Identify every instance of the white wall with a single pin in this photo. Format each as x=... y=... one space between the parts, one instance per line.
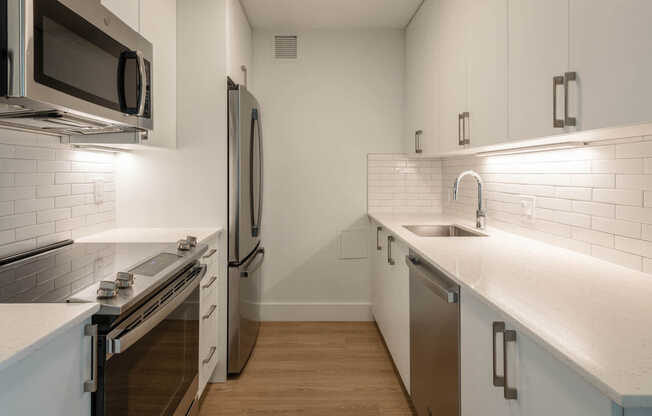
x=322 y=114
x=185 y=186
x=238 y=42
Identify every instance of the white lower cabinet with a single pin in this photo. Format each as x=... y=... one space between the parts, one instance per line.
x=50 y=381
x=543 y=385
x=391 y=298
x=209 y=310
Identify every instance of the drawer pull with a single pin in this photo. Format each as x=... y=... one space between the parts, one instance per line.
x=210 y=356
x=390 y=260
x=509 y=392
x=210 y=253
x=498 y=328
x=210 y=312
x=210 y=283
x=378 y=246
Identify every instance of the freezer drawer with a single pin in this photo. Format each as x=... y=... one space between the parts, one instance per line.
x=245 y=287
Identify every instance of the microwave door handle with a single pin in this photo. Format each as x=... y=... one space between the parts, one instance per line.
x=142 y=84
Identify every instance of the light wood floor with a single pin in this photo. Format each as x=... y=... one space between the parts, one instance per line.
x=321 y=369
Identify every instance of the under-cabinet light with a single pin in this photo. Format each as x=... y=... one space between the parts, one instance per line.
x=532 y=149
x=94 y=148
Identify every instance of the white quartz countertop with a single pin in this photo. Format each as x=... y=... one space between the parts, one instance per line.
x=26 y=328
x=593 y=315
x=149 y=235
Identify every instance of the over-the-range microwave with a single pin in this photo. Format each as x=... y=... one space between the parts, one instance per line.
x=71 y=67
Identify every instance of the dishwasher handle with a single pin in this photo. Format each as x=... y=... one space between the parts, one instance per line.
x=431 y=281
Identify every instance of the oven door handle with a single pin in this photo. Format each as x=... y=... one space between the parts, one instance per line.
x=122 y=343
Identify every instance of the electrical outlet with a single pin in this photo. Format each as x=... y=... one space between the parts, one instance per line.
x=528 y=207
x=99 y=190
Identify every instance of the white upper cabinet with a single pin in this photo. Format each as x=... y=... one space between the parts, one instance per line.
x=486 y=51
x=452 y=102
x=127 y=10
x=538 y=52
x=610 y=44
x=421 y=69
x=159 y=26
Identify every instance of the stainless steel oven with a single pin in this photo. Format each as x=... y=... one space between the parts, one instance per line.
x=72 y=67
x=148 y=360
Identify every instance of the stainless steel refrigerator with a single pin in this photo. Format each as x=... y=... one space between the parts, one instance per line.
x=246 y=250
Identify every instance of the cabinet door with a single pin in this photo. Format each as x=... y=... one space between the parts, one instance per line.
x=399 y=290
x=538 y=51
x=127 y=10
x=479 y=395
x=486 y=48
x=376 y=266
x=451 y=38
x=159 y=22
x=610 y=51
x=421 y=81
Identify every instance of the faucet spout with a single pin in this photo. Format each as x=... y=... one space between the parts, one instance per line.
x=480 y=214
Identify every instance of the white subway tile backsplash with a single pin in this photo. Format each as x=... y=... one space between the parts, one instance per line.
x=52 y=215
x=30 y=205
x=52 y=190
x=623 y=166
x=36 y=205
x=26 y=179
x=634 y=182
x=618 y=227
x=595 y=200
x=15 y=221
x=618 y=196
x=32 y=231
x=595 y=208
x=634 y=150
x=593 y=237
x=642 y=215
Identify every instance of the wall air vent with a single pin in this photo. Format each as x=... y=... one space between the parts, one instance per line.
x=285 y=47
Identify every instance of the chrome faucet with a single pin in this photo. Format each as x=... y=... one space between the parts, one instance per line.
x=480 y=214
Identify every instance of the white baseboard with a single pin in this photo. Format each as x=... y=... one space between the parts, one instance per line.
x=316 y=312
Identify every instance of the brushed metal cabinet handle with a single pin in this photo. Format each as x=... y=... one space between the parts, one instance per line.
x=390 y=260
x=568 y=120
x=466 y=132
x=210 y=356
x=556 y=82
x=460 y=128
x=210 y=283
x=498 y=328
x=509 y=392
x=209 y=254
x=417 y=141
x=210 y=312
x=378 y=246
x=90 y=386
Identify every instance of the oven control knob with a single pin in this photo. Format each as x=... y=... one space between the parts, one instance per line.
x=183 y=245
x=124 y=280
x=108 y=289
x=192 y=240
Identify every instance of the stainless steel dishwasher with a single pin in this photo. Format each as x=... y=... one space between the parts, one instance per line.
x=434 y=340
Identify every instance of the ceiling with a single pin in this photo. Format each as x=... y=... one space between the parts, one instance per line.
x=322 y=14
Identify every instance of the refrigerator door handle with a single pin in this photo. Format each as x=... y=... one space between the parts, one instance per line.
x=256 y=217
x=249 y=269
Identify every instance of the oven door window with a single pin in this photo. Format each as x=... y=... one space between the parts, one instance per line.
x=75 y=57
x=153 y=375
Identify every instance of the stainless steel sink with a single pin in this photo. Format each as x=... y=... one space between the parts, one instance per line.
x=443 y=231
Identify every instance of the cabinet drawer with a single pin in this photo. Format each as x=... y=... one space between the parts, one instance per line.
x=208 y=346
